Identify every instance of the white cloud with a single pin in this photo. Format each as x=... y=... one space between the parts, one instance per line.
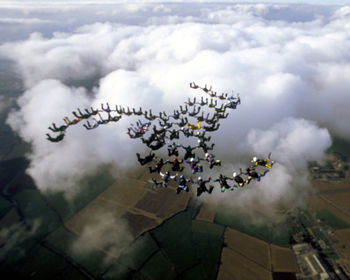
x=292 y=79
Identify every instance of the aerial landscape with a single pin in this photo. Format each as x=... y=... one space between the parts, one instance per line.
x=174 y=140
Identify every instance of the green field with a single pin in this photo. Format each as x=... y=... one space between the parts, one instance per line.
x=86 y=190
x=278 y=234
x=331 y=220
x=341 y=146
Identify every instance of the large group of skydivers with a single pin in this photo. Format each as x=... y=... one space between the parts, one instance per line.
x=168 y=128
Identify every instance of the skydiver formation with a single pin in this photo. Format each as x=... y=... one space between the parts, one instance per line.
x=170 y=127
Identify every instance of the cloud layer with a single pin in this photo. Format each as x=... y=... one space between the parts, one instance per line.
x=292 y=76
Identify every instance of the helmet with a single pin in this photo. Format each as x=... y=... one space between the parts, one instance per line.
x=167 y=173
x=206 y=154
x=255 y=159
x=182 y=176
x=198 y=140
x=198 y=132
x=199 y=178
x=192 y=159
x=175 y=159
x=234 y=174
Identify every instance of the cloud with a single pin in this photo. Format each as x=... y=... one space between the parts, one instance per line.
x=106 y=233
x=292 y=78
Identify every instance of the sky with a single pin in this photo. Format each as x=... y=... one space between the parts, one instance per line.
x=290 y=64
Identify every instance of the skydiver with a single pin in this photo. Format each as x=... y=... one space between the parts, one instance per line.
x=238 y=179
x=54 y=128
x=183 y=122
x=114 y=118
x=202 y=103
x=223 y=96
x=195 y=167
x=176 y=164
x=176 y=115
x=212 y=128
x=158 y=166
x=81 y=115
x=200 y=118
x=173 y=149
x=189 y=150
x=210 y=158
x=183 y=111
x=202 y=186
x=203 y=145
x=138 y=132
x=57 y=139
x=190 y=103
x=107 y=109
x=193 y=85
x=212 y=104
x=128 y=112
x=88 y=126
x=163 y=116
x=150 y=139
x=174 y=134
x=212 y=94
x=221 y=116
x=160 y=142
x=138 y=113
x=223 y=183
x=166 y=177
x=183 y=184
x=232 y=104
x=201 y=136
x=148 y=158
x=187 y=132
x=139 y=129
x=220 y=109
x=252 y=174
x=140 y=124
x=160 y=131
x=206 y=90
x=211 y=120
x=165 y=124
x=194 y=127
x=102 y=121
x=69 y=122
x=267 y=162
x=93 y=112
x=194 y=112
x=149 y=115
x=119 y=109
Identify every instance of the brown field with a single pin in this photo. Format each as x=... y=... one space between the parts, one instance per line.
x=138 y=223
x=163 y=203
x=341 y=200
x=341 y=242
x=251 y=248
x=235 y=266
x=320 y=202
x=125 y=193
x=283 y=259
x=207 y=212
